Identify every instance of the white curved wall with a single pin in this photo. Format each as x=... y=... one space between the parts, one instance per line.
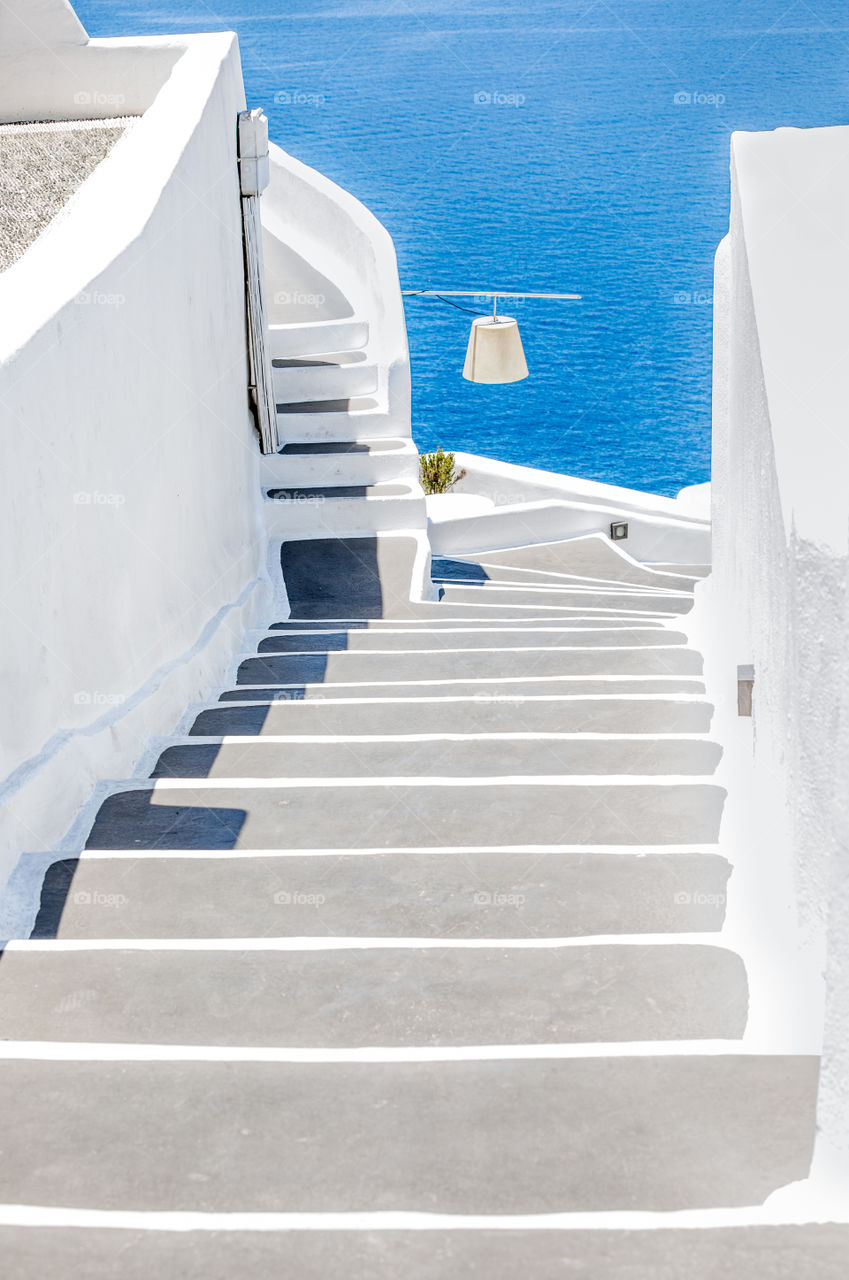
x=778 y=593
x=324 y=224
x=130 y=515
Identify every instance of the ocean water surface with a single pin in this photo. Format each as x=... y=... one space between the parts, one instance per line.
x=544 y=145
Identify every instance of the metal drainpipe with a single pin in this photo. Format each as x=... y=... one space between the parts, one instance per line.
x=254 y=177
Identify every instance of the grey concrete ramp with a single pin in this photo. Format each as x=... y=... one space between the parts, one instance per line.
x=487 y=893
x=591 y=556
x=402 y=815
x=376 y=996
x=504 y=1136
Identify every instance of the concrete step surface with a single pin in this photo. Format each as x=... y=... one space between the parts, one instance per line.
x=405 y=996
x=604 y=713
x=768 y=1252
x=471 y=893
x=435 y=812
x=491 y=1135
x=408 y=756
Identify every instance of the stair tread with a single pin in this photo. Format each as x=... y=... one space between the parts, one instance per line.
x=358 y=997
x=760 y=1252
x=494 y=1136
x=388 y=444
x=408 y=814
x=403 y=894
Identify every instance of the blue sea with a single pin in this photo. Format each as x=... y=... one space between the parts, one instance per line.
x=545 y=145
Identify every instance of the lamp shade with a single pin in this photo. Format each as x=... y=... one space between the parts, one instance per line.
x=495 y=351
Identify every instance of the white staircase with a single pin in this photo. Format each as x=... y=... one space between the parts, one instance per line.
x=408 y=960
x=346 y=464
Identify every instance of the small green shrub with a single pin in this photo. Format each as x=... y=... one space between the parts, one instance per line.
x=437 y=471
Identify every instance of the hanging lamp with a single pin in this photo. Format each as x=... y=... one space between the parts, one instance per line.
x=495 y=353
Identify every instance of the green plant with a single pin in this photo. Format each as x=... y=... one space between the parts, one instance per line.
x=437 y=471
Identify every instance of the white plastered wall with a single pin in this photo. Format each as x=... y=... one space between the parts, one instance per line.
x=133 y=551
x=777 y=596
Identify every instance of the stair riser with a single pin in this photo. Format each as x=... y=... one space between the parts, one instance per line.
x=342 y=517
x=380 y=996
x=286 y=341
x=324 y=382
x=328 y=469
x=467 y=759
x=473 y=665
x=317 y=428
x=613 y=715
x=464 y=1137
x=405 y=816
x=474 y=894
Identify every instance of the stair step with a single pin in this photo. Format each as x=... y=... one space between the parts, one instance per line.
x=440 y=714
x=425 y=618
x=216 y=815
x=367 y=996
x=348 y=463
x=473 y=664
x=287 y=340
x=659 y=1132
x=686 y=570
x=468 y=637
x=497 y=1252
x=351 y=418
x=509 y=689
x=573 y=597
x=332 y=492
x=465 y=571
x=478 y=893
x=591 y=555
x=470 y=757
x=321 y=378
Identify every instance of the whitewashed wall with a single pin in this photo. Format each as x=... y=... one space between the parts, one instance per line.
x=129 y=515
x=778 y=594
